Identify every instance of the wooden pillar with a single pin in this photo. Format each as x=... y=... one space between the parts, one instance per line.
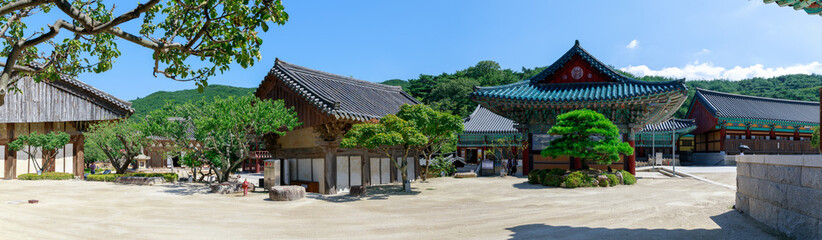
x=820 y=115
x=527 y=163
x=330 y=178
x=366 y=168
x=796 y=133
x=11 y=156
x=748 y=131
x=630 y=161
x=79 y=155
x=721 y=139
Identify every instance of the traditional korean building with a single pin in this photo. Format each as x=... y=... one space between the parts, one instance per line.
x=577 y=80
x=766 y=125
x=67 y=105
x=666 y=138
x=483 y=132
x=328 y=105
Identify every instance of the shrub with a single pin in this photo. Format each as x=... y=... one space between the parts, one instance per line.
x=578 y=179
x=46 y=176
x=603 y=183
x=440 y=165
x=535 y=176
x=103 y=177
x=627 y=178
x=552 y=180
x=612 y=179
x=556 y=171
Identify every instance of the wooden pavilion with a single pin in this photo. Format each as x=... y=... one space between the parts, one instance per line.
x=328 y=105
x=577 y=80
x=766 y=125
x=67 y=105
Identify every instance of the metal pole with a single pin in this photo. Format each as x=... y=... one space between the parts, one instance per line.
x=673 y=149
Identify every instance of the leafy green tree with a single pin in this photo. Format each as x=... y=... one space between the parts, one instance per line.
x=588 y=135
x=223 y=127
x=92 y=154
x=220 y=32
x=815 y=137
x=120 y=141
x=438 y=128
x=391 y=131
x=45 y=144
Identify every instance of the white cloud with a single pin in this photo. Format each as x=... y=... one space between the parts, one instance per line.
x=633 y=44
x=707 y=71
x=703 y=52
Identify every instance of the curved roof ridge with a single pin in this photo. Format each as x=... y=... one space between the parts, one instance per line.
x=701 y=90
x=338 y=77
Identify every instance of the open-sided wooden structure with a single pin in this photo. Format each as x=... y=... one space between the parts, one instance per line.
x=577 y=80
x=328 y=105
x=67 y=105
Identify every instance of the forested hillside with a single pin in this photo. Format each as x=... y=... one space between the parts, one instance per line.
x=143 y=106
x=449 y=91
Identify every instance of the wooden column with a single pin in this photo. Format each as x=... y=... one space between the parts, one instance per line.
x=11 y=156
x=79 y=156
x=721 y=139
x=630 y=161
x=820 y=115
x=748 y=131
x=329 y=184
x=366 y=168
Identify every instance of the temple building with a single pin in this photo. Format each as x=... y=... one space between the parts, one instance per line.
x=67 y=105
x=328 y=105
x=766 y=125
x=577 y=80
x=671 y=136
x=484 y=131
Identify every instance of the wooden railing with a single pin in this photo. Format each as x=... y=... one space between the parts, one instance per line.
x=761 y=146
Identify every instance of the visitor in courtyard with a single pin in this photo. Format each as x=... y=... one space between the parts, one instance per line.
x=93 y=167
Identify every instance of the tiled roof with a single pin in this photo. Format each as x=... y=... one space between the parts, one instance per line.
x=679 y=125
x=344 y=97
x=811 y=7
x=96 y=93
x=749 y=107
x=484 y=121
x=621 y=87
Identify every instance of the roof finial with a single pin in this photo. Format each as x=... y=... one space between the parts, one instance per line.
x=576 y=42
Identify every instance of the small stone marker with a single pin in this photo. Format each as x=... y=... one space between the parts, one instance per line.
x=33 y=201
x=286 y=193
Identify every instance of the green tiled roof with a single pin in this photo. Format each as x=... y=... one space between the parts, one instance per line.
x=811 y=7
x=620 y=86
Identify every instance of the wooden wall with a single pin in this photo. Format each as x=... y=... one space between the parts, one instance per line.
x=69 y=160
x=307 y=113
x=42 y=102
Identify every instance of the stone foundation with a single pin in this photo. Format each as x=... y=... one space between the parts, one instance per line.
x=782 y=191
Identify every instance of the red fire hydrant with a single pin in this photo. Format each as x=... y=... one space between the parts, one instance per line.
x=245 y=187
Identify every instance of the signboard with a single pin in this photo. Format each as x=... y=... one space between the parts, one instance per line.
x=541 y=141
x=658 y=158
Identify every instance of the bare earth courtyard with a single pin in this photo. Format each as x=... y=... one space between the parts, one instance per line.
x=444 y=208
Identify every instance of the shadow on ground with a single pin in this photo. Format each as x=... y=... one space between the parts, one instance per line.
x=381 y=192
x=732 y=224
x=185 y=189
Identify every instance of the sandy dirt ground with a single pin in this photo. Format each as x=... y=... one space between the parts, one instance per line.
x=444 y=208
x=724 y=178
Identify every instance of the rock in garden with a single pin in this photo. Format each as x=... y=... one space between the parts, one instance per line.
x=286 y=193
x=619 y=177
x=465 y=175
x=359 y=191
x=602 y=178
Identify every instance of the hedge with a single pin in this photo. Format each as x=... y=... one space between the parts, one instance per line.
x=612 y=179
x=578 y=179
x=168 y=177
x=46 y=176
x=552 y=180
x=627 y=178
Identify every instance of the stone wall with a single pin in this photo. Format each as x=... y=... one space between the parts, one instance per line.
x=782 y=191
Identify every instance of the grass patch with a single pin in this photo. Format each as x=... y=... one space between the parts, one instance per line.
x=46 y=176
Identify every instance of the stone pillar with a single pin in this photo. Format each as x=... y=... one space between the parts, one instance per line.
x=329 y=184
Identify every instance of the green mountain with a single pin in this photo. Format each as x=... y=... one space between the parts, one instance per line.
x=143 y=106
x=398 y=82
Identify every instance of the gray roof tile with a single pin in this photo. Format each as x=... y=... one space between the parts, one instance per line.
x=484 y=121
x=342 y=96
x=681 y=125
x=749 y=107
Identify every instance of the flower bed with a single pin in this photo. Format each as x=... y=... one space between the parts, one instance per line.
x=582 y=178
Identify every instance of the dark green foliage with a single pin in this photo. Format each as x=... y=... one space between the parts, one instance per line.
x=815 y=137
x=588 y=135
x=536 y=176
x=557 y=171
x=612 y=180
x=168 y=177
x=578 y=179
x=439 y=166
x=552 y=180
x=627 y=178
x=157 y=100
x=46 y=176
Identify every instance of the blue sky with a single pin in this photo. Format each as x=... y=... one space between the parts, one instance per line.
x=381 y=40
